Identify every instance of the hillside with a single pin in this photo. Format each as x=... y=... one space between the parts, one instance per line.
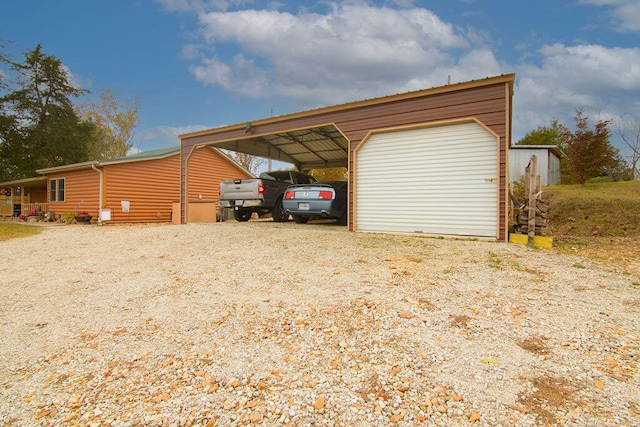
x=600 y=221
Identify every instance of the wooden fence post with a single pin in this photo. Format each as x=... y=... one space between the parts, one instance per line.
x=531 y=190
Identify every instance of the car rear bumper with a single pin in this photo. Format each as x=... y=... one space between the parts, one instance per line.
x=316 y=208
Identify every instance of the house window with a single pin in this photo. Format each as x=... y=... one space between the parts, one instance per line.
x=56 y=190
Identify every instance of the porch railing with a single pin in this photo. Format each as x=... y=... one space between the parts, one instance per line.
x=44 y=207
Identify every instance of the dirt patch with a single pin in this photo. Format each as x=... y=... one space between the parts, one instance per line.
x=535 y=345
x=460 y=321
x=551 y=394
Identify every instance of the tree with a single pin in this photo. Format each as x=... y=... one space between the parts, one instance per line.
x=38 y=125
x=630 y=134
x=330 y=174
x=555 y=134
x=115 y=122
x=249 y=162
x=590 y=154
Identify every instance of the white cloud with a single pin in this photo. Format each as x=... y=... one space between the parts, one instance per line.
x=76 y=80
x=352 y=51
x=200 y=5
x=603 y=81
x=625 y=13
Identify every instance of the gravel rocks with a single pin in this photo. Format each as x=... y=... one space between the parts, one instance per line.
x=272 y=324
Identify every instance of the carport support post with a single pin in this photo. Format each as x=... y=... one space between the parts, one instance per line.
x=530 y=186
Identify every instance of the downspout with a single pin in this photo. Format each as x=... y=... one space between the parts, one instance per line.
x=101 y=172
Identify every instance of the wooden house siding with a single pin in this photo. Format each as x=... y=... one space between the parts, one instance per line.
x=139 y=188
x=38 y=194
x=207 y=167
x=149 y=186
x=82 y=188
x=487 y=101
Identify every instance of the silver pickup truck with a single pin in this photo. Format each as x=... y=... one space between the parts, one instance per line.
x=262 y=195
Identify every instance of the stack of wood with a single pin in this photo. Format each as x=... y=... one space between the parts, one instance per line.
x=533 y=214
x=541 y=209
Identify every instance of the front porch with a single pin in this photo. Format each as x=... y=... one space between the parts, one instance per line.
x=19 y=197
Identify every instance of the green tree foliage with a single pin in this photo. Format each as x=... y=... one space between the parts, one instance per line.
x=586 y=153
x=589 y=151
x=115 y=121
x=330 y=174
x=38 y=125
x=555 y=134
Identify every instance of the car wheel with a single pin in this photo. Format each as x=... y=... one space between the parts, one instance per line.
x=242 y=215
x=279 y=214
x=300 y=219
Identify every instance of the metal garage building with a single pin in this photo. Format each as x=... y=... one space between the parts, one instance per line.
x=432 y=161
x=548 y=162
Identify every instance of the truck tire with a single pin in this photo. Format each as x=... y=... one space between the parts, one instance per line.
x=300 y=219
x=242 y=215
x=279 y=214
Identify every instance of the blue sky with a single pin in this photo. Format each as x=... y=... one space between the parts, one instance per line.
x=197 y=64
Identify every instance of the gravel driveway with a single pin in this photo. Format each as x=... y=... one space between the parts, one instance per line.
x=275 y=324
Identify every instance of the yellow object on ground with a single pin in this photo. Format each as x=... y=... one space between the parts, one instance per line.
x=538 y=241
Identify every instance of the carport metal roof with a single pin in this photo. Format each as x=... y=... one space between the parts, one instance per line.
x=315 y=147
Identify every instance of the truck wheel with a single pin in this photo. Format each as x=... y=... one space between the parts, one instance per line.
x=279 y=214
x=300 y=219
x=242 y=215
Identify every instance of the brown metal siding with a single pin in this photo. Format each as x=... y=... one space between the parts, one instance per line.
x=206 y=168
x=82 y=190
x=150 y=186
x=488 y=101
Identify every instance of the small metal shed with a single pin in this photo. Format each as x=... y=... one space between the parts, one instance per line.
x=548 y=162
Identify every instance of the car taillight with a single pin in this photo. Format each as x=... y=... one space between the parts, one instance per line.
x=261 y=189
x=290 y=195
x=325 y=195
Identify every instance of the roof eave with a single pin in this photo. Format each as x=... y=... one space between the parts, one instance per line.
x=24 y=181
x=502 y=79
x=140 y=159
x=68 y=168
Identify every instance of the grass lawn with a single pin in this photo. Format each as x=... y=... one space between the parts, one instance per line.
x=599 y=221
x=12 y=230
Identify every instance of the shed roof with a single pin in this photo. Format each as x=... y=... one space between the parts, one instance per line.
x=321 y=144
x=26 y=182
x=318 y=146
x=159 y=153
x=145 y=155
x=551 y=148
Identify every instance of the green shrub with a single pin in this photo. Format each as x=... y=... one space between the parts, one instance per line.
x=68 y=217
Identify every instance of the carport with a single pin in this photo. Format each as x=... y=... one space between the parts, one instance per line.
x=321 y=146
x=432 y=161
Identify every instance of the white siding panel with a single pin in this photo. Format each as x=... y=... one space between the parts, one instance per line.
x=428 y=180
x=548 y=164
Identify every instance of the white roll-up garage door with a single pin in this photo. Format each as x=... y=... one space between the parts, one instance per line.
x=434 y=180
